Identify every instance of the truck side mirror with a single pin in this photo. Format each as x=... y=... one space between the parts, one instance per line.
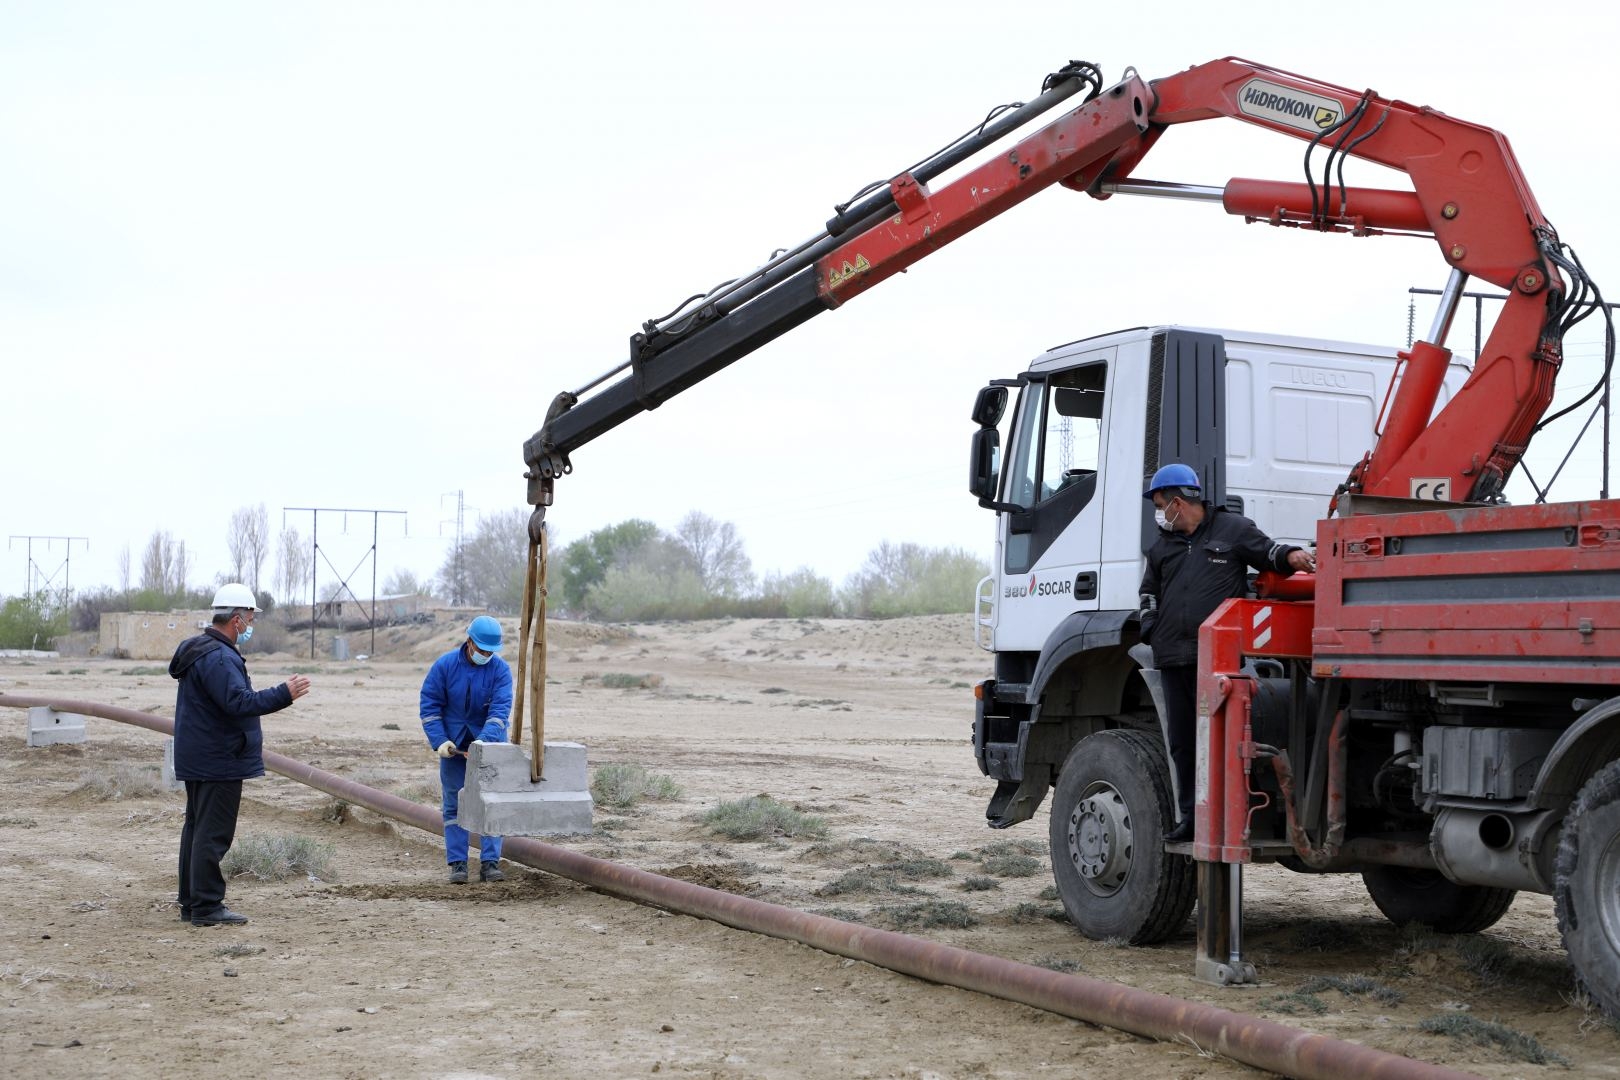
x=984 y=464
x=989 y=405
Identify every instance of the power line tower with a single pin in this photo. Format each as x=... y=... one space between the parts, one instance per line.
x=317 y=554
x=458 y=564
x=39 y=584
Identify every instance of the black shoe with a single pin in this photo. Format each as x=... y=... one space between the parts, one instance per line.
x=1180 y=833
x=458 y=873
x=490 y=871
x=185 y=914
x=224 y=916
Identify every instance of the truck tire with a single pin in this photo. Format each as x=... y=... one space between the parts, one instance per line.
x=1109 y=812
x=1586 y=888
x=1408 y=895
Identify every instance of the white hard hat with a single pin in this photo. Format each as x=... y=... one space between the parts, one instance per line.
x=235 y=595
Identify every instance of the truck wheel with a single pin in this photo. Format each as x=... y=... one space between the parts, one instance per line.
x=1586 y=888
x=1109 y=812
x=1409 y=895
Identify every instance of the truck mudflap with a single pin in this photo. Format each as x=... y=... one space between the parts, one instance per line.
x=1001 y=746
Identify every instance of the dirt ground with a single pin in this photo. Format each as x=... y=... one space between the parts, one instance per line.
x=381 y=969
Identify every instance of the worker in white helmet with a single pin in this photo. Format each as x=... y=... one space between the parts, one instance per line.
x=218 y=743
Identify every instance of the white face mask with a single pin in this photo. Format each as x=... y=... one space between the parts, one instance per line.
x=481 y=658
x=1165 y=523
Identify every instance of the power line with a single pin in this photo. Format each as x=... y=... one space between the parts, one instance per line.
x=343 y=581
x=36 y=573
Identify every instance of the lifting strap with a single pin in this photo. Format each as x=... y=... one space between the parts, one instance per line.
x=531 y=674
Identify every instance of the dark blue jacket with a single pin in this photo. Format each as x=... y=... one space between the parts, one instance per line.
x=1188 y=577
x=462 y=701
x=216 y=711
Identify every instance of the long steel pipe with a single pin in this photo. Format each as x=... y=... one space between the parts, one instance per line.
x=1253 y=1041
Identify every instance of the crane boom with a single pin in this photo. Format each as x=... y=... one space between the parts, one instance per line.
x=1469 y=195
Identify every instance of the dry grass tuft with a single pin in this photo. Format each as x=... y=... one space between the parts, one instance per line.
x=622 y=786
x=1515 y=1044
x=277 y=858
x=122 y=782
x=760 y=817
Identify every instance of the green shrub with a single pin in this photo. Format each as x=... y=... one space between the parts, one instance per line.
x=276 y=858
x=800 y=594
x=26 y=623
x=761 y=816
x=909 y=579
x=622 y=786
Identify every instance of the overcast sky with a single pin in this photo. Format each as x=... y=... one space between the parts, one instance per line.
x=344 y=254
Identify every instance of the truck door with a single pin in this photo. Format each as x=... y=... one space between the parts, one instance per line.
x=1049 y=548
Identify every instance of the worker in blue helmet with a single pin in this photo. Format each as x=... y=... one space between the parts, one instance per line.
x=1200 y=558
x=467 y=698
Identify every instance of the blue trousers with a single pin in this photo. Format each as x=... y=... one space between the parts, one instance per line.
x=452 y=776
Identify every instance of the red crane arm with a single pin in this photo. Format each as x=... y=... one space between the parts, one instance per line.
x=1469 y=194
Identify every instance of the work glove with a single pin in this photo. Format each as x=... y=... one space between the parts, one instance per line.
x=447 y=749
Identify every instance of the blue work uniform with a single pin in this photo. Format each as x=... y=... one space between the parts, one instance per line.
x=462 y=702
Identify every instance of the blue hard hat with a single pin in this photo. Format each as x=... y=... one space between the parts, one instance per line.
x=1172 y=475
x=485 y=633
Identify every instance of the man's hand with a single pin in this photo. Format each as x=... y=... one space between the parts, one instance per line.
x=1302 y=561
x=448 y=749
x=298 y=686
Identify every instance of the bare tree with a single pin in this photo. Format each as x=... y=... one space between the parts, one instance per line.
x=237 y=543
x=249 y=542
x=722 y=564
x=163 y=564
x=123 y=568
x=402 y=582
x=488 y=569
x=293 y=561
x=259 y=544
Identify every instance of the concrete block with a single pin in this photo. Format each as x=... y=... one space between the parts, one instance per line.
x=47 y=726
x=499 y=800
x=169 y=781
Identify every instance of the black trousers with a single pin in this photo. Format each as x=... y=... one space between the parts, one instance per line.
x=211 y=807
x=1180 y=686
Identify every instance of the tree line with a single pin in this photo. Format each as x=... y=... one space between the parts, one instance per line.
x=630 y=572
x=635 y=571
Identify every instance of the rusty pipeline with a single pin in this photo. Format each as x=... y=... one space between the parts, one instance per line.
x=1253 y=1041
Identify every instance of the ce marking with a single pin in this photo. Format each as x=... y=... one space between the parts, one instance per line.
x=1431 y=488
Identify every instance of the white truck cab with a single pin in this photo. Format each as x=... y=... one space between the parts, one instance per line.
x=1272 y=425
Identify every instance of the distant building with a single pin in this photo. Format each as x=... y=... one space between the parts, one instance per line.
x=148 y=635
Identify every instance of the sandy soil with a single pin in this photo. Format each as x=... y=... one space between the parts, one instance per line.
x=380 y=969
